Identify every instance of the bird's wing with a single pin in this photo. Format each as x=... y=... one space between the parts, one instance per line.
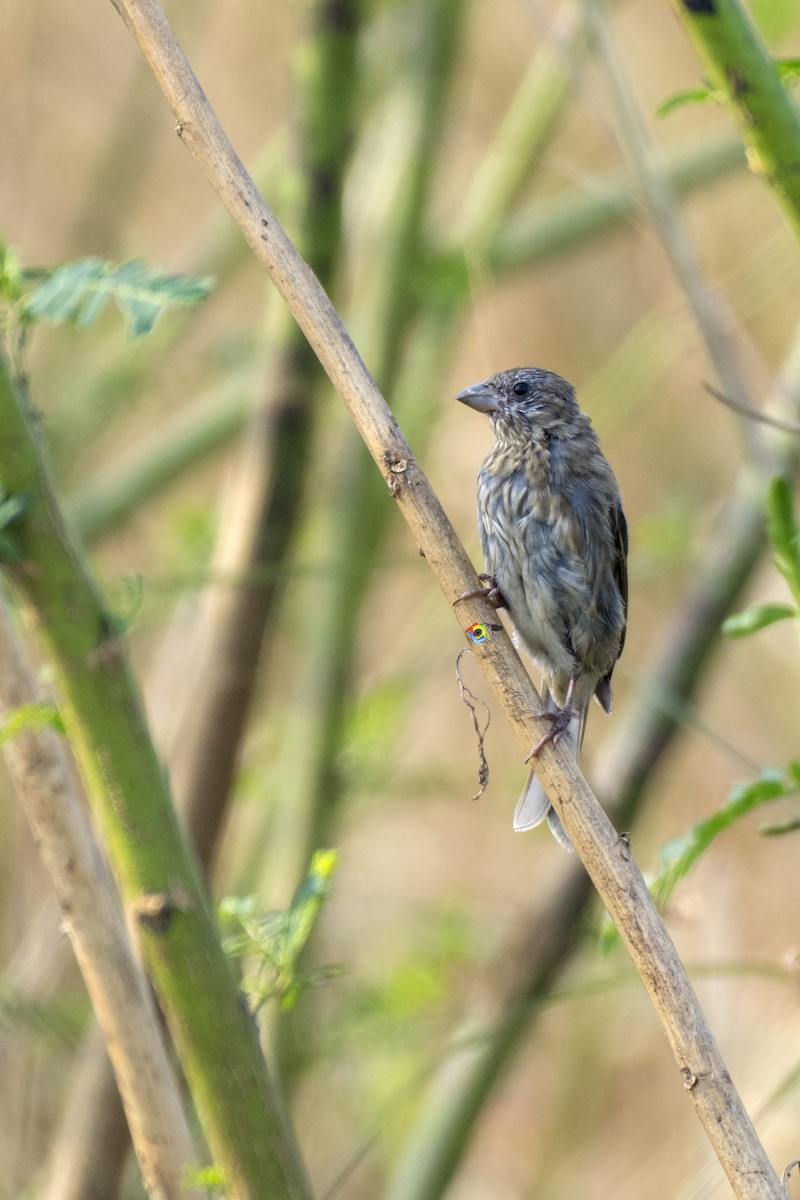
x=619 y=528
x=619 y=531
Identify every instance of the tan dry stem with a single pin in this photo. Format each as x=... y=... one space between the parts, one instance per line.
x=606 y=856
x=94 y=921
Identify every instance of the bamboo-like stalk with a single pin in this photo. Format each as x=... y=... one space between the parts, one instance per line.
x=214 y=1035
x=607 y=857
x=741 y=67
x=94 y=921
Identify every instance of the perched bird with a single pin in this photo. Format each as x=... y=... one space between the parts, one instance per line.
x=555 y=545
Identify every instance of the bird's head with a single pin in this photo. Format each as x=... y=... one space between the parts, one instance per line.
x=526 y=402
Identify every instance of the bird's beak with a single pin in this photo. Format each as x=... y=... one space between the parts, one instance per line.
x=483 y=397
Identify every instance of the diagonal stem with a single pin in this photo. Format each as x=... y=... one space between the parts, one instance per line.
x=606 y=856
x=94 y=920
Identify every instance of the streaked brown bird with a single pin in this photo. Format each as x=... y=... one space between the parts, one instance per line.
x=555 y=547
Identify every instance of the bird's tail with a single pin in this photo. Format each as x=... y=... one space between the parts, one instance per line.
x=533 y=805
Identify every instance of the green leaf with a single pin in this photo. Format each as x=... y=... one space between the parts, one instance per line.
x=29 y=718
x=758 y=617
x=788 y=68
x=783 y=532
x=680 y=855
x=204 y=1179
x=78 y=291
x=12 y=509
x=275 y=940
x=10 y=275
x=780 y=511
x=608 y=938
x=309 y=897
x=695 y=95
x=744 y=796
x=778 y=828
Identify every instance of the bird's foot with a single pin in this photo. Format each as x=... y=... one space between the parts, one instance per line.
x=491 y=593
x=559 y=724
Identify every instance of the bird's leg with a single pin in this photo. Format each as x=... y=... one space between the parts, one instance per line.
x=559 y=721
x=491 y=592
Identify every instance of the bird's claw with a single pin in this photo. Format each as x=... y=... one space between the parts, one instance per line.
x=491 y=593
x=559 y=724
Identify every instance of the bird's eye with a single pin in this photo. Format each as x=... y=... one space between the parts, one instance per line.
x=521 y=388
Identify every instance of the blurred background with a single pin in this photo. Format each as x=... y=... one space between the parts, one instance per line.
x=469 y=180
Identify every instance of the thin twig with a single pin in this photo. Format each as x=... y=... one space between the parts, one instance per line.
x=786 y=1173
x=472 y=702
x=754 y=414
x=606 y=856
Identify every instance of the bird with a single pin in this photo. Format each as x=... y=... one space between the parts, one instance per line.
x=555 y=549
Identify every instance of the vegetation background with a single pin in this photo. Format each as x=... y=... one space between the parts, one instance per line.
x=357 y=738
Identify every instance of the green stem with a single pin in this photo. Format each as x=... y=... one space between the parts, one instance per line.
x=275 y=469
x=214 y=1035
x=740 y=66
x=359 y=525
x=362 y=521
